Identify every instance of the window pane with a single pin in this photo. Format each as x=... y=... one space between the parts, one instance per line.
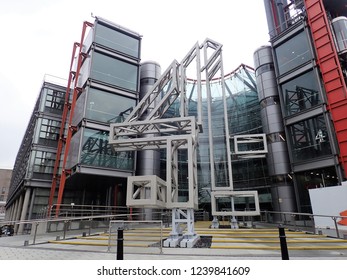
x=293 y=53
x=43 y=164
x=113 y=71
x=309 y=139
x=301 y=93
x=49 y=132
x=108 y=107
x=54 y=101
x=117 y=40
x=97 y=152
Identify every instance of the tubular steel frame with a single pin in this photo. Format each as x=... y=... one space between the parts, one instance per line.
x=174 y=134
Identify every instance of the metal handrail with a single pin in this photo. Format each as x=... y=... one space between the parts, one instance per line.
x=308 y=215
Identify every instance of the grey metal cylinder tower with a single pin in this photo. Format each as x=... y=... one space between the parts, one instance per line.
x=282 y=191
x=148 y=161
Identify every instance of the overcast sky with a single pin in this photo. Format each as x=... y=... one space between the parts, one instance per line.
x=37 y=38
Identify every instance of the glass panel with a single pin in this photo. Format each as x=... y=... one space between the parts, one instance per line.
x=107 y=107
x=49 y=132
x=293 y=53
x=312 y=179
x=301 y=93
x=309 y=139
x=54 y=101
x=43 y=164
x=116 y=40
x=97 y=152
x=114 y=71
x=243 y=118
x=80 y=109
x=73 y=158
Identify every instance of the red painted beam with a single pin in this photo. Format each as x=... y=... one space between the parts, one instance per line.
x=328 y=62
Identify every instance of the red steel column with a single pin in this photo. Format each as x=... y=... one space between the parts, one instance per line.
x=328 y=62
x=61 y=139
x=67 y=108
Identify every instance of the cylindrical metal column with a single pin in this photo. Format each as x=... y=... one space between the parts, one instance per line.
x=18 y=211
x=278 y=161
x=24 y=209
x=148 y=161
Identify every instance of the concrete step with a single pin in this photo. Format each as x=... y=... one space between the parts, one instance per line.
x=242 y=239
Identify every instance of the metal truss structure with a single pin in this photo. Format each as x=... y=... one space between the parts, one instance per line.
x=148 y=127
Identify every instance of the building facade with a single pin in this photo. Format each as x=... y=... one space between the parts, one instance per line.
x=301 y=79
x=5 y=179
x=33 y=170
x=65 y=157
x=77 y=166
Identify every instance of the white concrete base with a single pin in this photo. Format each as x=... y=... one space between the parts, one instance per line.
x=233 y=223
x=189 y=241
x=215 y=223
x=173 y=241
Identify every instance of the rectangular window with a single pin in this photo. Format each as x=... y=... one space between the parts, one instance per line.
x=293 y=52
x=301 y=93
x=49 y=132
x=43 y=165
x=54 y=102
x=309 y=139
x=107 y=107
x=114 y=71
x=117 y=40
x=97 y=152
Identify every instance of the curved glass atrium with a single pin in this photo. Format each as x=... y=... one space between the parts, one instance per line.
x=243 y=113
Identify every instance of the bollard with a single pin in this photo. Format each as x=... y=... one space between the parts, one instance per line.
x=120 y=244
x=283 y=242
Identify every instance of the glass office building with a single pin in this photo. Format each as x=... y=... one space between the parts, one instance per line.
x=33 y=170
x=285 y=97
x=301 y=63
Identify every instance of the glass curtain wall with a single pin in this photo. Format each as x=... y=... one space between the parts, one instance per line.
x=310 y=142
x=243 y=112
x=112 y=68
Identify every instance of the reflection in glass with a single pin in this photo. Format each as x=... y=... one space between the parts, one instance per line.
x=243 y=113
x=309 y=139
x=96 y=152
x=49 y=132
x=114 y=71
x=54 y=101
x=116 y=40
x=292 y=53
x=301 y=93
x=107 y=107
x=313 y=179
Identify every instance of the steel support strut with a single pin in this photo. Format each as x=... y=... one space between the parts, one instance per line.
x=64 y=142
x=329 y=64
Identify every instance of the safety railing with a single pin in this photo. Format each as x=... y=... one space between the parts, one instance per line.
x=317 y=224
x=87 y=220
